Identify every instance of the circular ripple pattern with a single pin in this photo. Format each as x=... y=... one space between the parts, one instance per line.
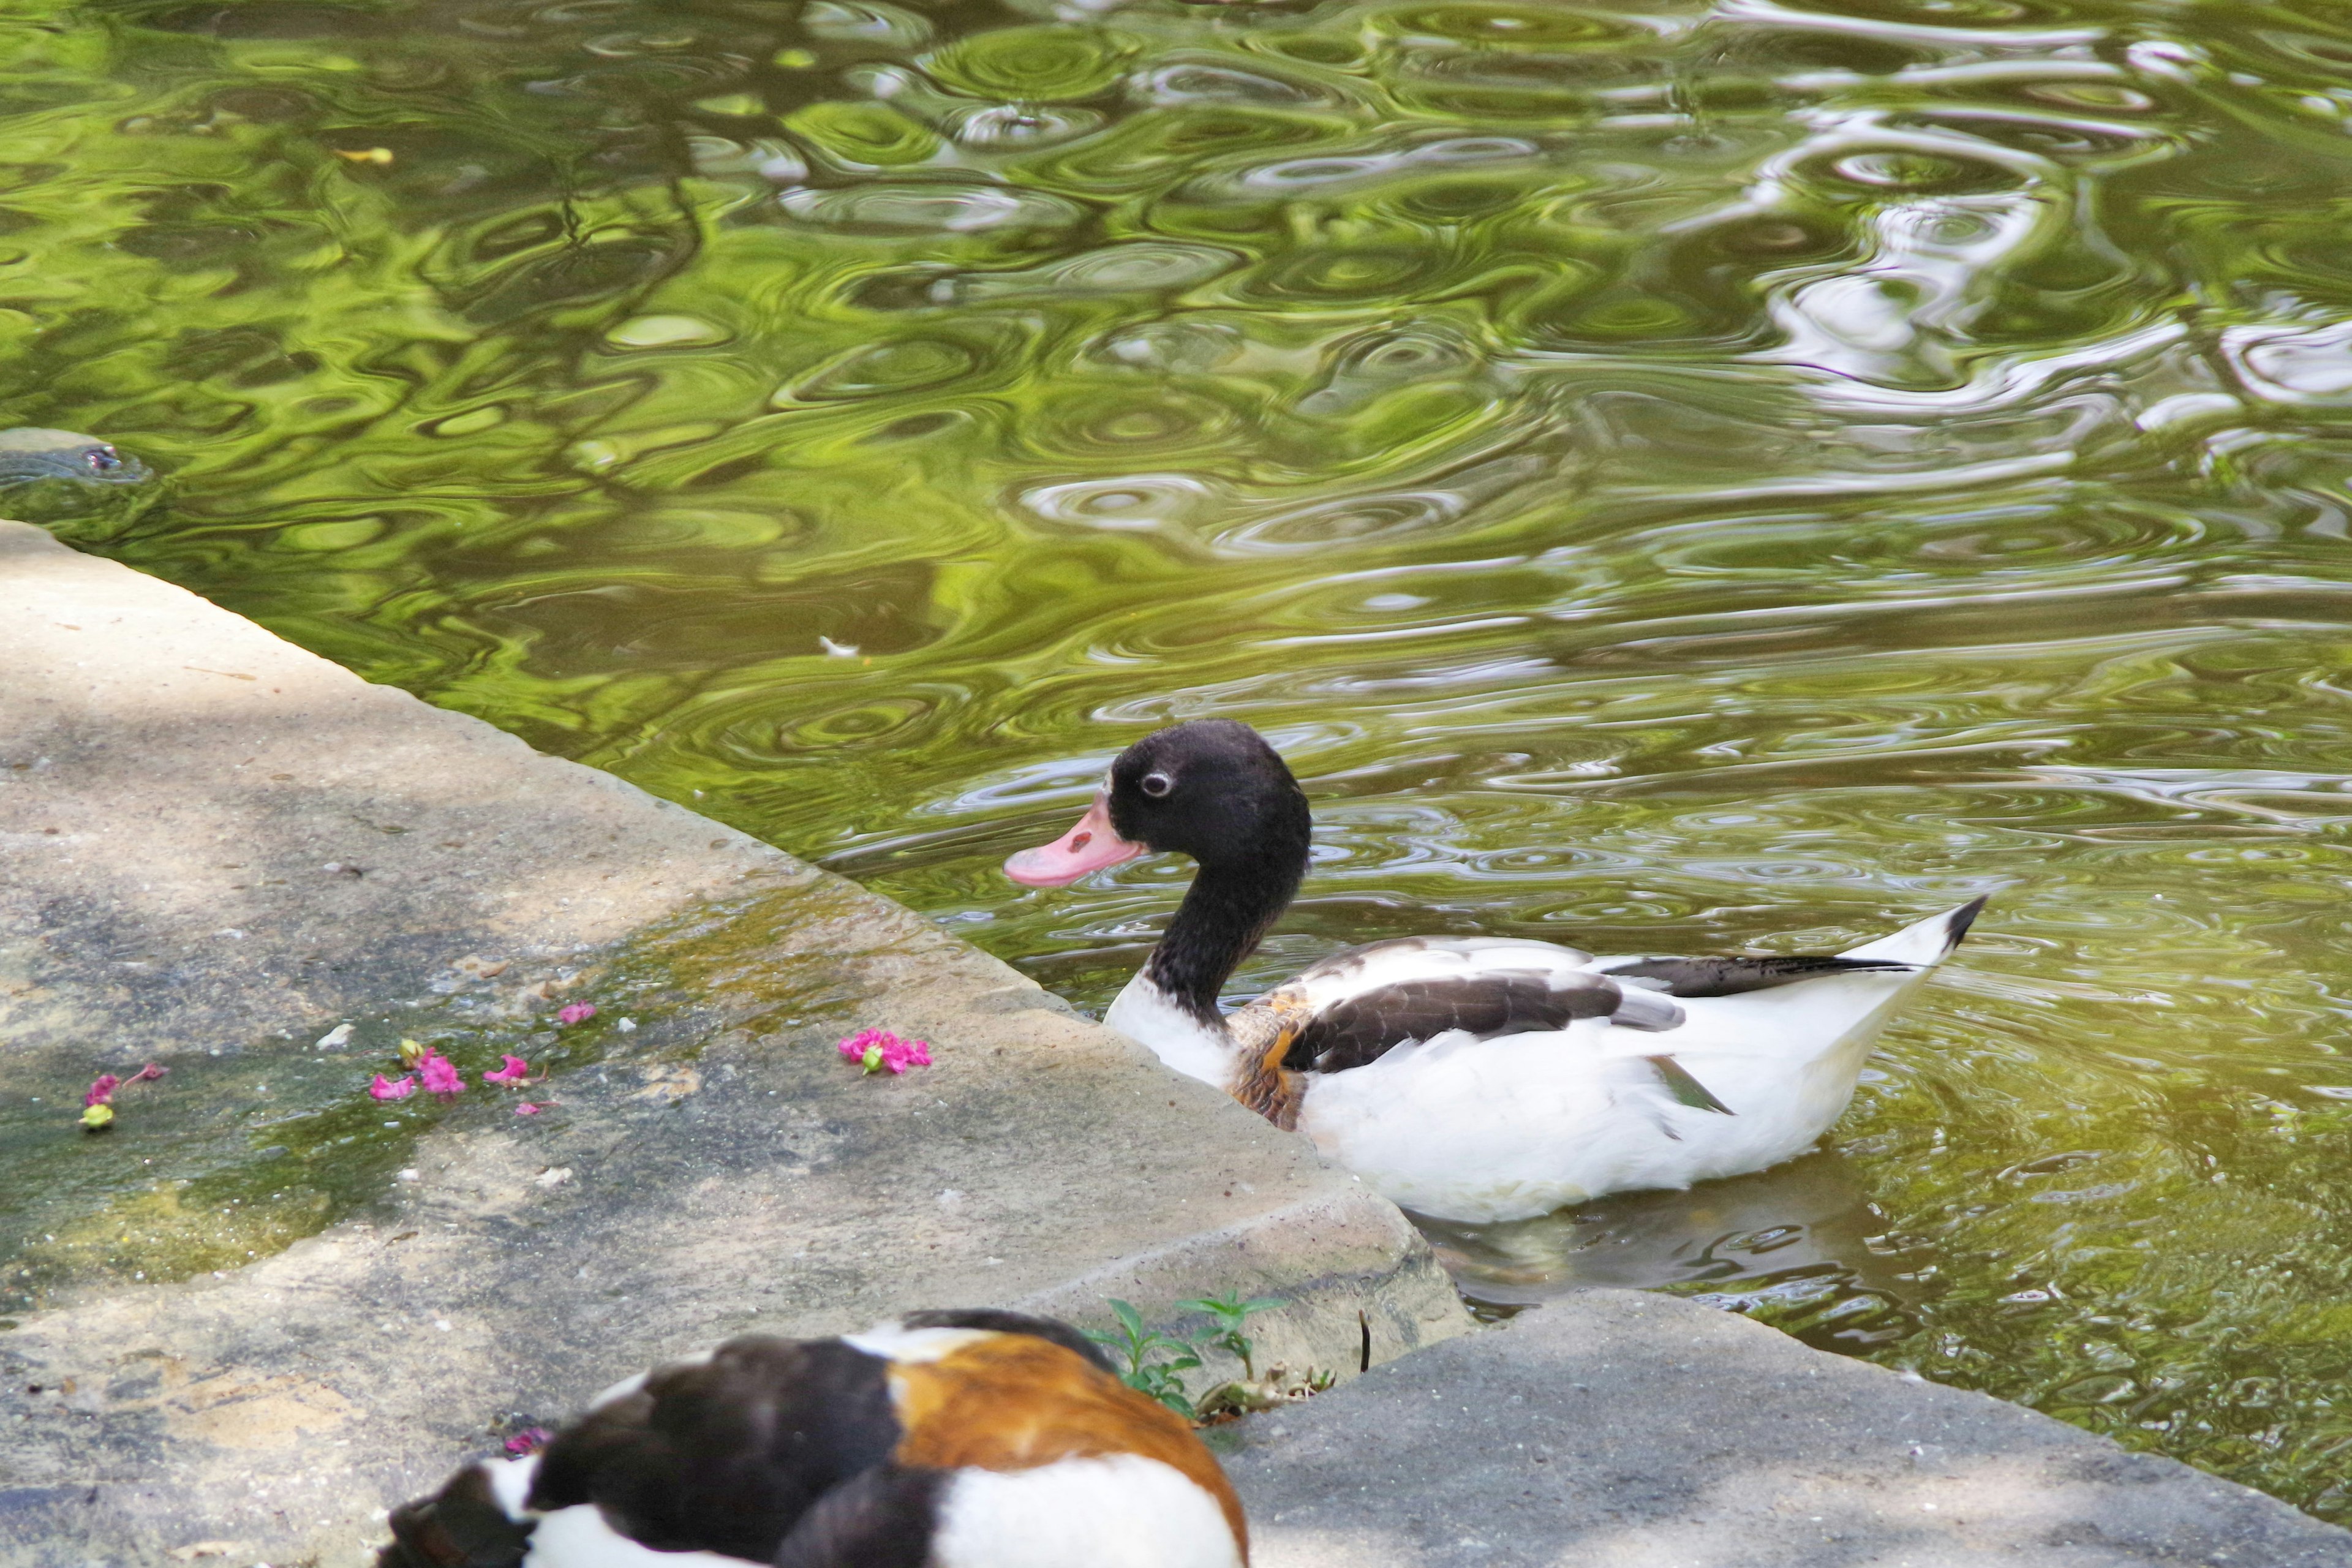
x=1671 y=476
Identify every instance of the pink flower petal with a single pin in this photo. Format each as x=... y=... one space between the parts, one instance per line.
x=383 y=1089
x=529 y=1440
x=900 y=1055
x=439 y=1076
x=513 y=1069
x=876 y=1049
x=527 y=1108
x=101 y=1090
x=578 y=1013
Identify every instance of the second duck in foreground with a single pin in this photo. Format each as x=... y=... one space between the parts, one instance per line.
x=959 y=1439
x=1471 y=1079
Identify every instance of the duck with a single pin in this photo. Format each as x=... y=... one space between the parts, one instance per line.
x=966 y=1438
x=1471 y=1079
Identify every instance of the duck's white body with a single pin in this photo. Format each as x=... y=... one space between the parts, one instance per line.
x=1463 y=1128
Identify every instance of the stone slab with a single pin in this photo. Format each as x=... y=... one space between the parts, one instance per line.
x=173 y=784
x=209 y=837
x=1616 y=1429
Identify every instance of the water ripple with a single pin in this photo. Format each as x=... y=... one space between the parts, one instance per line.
x=1701 y=474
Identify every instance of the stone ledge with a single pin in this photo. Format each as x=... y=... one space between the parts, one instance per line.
x=176 y=783
x=720 y=1170
x=1616 y=1429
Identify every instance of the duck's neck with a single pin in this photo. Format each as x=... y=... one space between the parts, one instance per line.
x=1224 y=916
x=1171 y=1006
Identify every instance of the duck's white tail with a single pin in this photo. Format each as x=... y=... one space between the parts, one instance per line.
x=1926 y=944
x=1786 y=1059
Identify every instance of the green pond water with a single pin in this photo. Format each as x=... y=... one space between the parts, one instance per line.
x=1670 y=477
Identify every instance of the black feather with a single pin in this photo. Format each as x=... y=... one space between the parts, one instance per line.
x=727 y=1456
x=1957 y=927
x=461 y=1526
x=1364 y=1027
x=995 y=1319
x=882 y=1518
x=1692 y=977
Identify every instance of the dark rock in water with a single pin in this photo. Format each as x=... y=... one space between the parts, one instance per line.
x=28 y=454
x=78 y=484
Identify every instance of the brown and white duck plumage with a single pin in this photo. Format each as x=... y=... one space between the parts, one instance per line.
x=956 y=1439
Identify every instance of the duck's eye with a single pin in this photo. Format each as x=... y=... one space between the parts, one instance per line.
x=1156 y=785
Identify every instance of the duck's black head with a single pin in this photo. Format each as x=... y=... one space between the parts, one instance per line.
x=1212 y=789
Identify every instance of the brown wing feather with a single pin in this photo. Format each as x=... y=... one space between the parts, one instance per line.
x=1362 y=1027
x=1012 y=1402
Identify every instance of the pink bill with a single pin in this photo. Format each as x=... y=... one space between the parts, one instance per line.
x=1088 y=847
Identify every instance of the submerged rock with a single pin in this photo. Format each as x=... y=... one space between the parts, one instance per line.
x=63 y=476
x=30 y=454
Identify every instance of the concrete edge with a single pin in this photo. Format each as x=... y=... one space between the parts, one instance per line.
x=1380 y=1294
x=1618 y=1428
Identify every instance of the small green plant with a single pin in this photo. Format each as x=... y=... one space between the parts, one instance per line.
x=1231 y=1312
x=1155 y=1363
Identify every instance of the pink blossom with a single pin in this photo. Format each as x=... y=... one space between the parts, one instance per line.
x=878 y=1049
x=97 y=1104
x=857 y=1045
x=514 y=1069
x=382 y=1090
x=439 y=1077
x=528 y=1108
x=529 y=1440
x=578 y=1013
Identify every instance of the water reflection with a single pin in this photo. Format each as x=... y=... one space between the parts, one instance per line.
x=1674 y=474
x=1805 y=1234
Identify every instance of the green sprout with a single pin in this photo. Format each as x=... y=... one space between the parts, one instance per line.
x=1155 y=1363
x=1231 y=1312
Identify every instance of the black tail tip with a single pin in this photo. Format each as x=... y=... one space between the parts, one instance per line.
x=1957 y=924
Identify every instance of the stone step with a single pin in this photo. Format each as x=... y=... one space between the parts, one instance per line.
x=1618 y=1429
